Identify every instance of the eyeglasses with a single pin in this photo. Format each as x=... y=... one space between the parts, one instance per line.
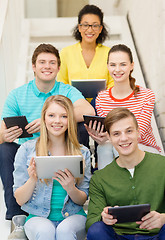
x=85 y=26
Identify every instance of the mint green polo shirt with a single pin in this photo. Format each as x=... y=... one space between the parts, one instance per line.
x=28 y=100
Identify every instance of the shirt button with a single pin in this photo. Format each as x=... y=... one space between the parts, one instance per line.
x=66 y=214
x=133 y=187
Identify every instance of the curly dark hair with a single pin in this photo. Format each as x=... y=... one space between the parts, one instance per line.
x=91 y=9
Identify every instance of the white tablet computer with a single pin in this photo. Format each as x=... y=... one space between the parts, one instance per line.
x=47 y=165
x=89 y=87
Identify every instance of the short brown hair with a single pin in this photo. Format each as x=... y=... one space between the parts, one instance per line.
x=45 y=48
x=117 y=114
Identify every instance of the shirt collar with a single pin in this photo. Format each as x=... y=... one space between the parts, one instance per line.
x=37 y=91
x=97 y=46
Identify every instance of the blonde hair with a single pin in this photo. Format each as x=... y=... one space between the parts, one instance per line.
x=72 y=144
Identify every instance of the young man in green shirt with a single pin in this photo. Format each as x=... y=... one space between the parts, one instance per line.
x=135 y=177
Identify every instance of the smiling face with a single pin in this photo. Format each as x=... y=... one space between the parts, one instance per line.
x=120 y=66
x=90 y=35
x=124 y=136
x=56 y=120
x=46 y=67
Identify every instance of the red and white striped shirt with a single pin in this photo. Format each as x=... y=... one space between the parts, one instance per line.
x=141 y=105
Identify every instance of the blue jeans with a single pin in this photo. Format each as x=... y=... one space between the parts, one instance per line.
x=82 y=134
x=7 y=155
x=99 y=230
x=71 y=228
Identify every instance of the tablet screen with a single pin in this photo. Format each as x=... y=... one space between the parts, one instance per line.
x=89 y=87
x=131 y=213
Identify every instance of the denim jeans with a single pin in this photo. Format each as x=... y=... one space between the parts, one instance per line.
x=100 y=230
x=71 y=228
x=82 y=134
x=7 y=155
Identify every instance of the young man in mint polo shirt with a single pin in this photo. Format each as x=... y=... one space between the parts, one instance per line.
x=135 y=177
x=28 y=100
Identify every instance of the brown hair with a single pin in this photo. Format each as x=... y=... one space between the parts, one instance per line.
x=45 y=48
x=117 y=114
x=124 y=48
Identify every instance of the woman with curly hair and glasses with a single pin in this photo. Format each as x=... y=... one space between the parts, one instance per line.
x=87 y=58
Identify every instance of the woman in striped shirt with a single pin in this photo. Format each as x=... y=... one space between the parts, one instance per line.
x=125 y=93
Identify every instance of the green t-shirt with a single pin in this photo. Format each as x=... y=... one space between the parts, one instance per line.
x=57 y=203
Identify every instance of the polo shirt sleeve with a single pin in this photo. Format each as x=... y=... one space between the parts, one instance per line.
x=10 y=108
x=71 y=92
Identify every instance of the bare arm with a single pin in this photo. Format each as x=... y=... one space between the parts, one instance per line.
x=82 y=107
x=10 y=134
x=24 y=193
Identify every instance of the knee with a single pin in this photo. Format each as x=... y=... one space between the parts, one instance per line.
x=40 y=231
x=63 y=232
x=95 y=230
x=8 y=151
x=46 y=233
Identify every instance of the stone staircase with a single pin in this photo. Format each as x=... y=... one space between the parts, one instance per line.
x=57 y=31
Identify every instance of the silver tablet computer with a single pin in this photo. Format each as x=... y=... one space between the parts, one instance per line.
x=89 y=87
x=47 y=165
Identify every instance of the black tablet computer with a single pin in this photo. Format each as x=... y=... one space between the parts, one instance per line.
x=89 y=87
x=88 y=118
x=19 y=121
x=130 y=213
